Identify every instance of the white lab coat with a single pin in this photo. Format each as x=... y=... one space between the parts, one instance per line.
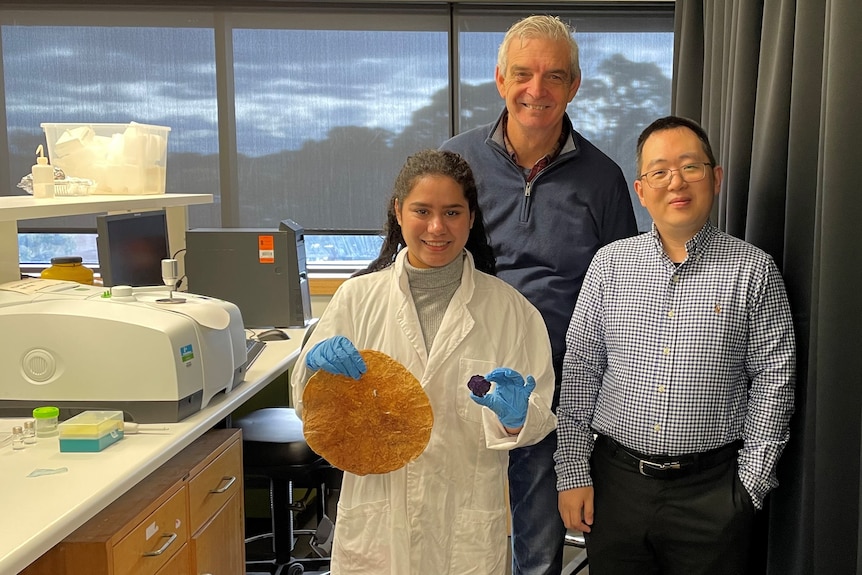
x=445 y=512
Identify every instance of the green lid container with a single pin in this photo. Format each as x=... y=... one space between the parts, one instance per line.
x=46 y=421
x=46 y=412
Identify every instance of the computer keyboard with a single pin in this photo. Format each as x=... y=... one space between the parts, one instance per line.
x=253 y=348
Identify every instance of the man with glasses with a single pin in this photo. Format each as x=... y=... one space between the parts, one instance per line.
x=678 y=379
x=550 y=200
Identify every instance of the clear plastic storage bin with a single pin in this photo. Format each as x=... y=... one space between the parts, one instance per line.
x=122 y=159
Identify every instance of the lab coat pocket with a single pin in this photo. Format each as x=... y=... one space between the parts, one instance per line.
x=363 y=538
x=468 y=409
x=480 y=541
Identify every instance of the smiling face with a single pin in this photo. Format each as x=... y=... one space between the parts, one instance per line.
x=537 y=85
x=682 y=208
x=435 y=221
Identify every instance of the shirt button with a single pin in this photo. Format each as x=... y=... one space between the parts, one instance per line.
x=661 y=388
x=670 y=313
x=656 y=427
x=675 y=278
x=666 y=351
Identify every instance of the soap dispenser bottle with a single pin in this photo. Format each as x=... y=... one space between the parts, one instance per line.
x=43 y=176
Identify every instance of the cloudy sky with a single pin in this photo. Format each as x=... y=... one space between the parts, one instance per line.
x=290 y=85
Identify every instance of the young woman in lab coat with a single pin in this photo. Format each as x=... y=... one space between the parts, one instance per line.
x=428 y=306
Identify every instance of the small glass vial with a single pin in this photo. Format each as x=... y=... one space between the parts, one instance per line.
x=17 y=437
x=47 y=421
x=29 y=432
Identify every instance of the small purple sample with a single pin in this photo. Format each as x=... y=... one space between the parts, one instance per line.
x=479 y=385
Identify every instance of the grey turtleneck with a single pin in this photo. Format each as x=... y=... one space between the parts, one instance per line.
x=432 y=289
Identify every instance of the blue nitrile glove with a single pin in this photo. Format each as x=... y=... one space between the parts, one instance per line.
x=336 y=355
x=510 y=397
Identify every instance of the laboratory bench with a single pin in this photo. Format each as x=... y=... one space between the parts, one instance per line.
x=41 y=511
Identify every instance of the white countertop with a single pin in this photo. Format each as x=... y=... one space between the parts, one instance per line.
x=38 y=512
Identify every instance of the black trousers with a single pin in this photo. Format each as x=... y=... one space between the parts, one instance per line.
x=699 y=524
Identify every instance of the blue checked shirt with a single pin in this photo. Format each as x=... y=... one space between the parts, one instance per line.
x=672 y=360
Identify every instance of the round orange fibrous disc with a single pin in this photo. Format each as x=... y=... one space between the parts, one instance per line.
x=375 y=424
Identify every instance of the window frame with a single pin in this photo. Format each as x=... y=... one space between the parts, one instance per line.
x=224 y=16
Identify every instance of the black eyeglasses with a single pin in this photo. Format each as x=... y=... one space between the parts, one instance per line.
x=690 y=173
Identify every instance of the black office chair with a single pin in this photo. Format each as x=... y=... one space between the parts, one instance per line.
x=275 y=453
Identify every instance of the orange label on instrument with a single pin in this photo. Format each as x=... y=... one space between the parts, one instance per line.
x=266 y=249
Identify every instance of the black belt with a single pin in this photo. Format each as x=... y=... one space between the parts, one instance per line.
x=669 y=467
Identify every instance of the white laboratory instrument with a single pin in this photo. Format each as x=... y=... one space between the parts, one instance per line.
x=77 y=347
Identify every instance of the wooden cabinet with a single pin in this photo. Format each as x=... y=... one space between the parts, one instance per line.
x=215 y=513
x=153 y=541
x=214 y=547
x=185 y=518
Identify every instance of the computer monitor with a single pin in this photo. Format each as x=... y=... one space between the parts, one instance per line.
x=131 y=248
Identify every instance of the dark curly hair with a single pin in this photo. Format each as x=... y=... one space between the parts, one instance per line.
x=434 y=163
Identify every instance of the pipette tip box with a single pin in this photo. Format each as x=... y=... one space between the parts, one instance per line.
x=91 y=431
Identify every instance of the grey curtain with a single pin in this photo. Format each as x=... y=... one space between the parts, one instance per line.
x=778 y=86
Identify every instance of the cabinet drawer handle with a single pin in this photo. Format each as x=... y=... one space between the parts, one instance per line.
x=171 y=537
x=230 y=481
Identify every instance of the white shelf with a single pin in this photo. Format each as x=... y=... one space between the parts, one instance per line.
x=16 y=208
